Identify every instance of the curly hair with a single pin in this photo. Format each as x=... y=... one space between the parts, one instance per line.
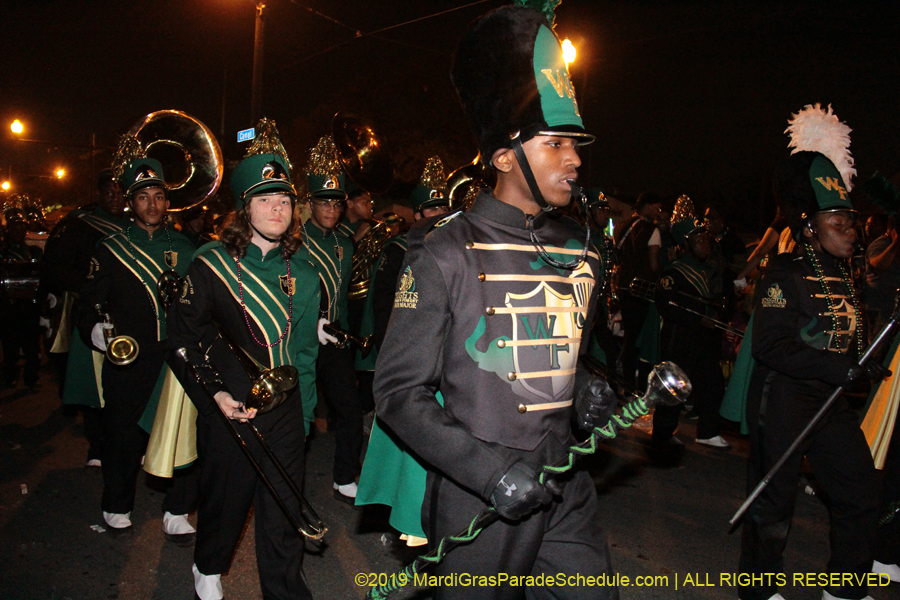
x=237 y=233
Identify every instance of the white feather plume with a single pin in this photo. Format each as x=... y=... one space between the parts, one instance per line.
x=816 y=130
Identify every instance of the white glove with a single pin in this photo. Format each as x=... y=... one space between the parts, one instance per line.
x=97 y=337
x=740 y=284
x=51 y=301
x=325 y=338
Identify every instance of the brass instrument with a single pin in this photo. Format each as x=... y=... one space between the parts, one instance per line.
x=189 y=153
x=368 y=249
x=641 y=288
x=363 y=154
x=367 y=161
x=270 y=388
x=120 y=349
x=343 y=338
x=310 y=525
x=20 y=279
x=465 y=181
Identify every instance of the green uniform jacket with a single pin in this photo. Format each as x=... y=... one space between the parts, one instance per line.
x=213 y=293
x=332 y=255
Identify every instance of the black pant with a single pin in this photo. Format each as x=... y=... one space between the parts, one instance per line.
x=230 y=485
x=564 y=537
x=708 y=388
x=634 y=314
x=336 y=377
x=126 y=391
x=840 y=458
x=19 y=328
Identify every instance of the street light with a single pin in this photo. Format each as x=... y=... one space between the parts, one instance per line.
x=258 y=50
x=17 y=127
x=568 y=50
x=60 y=173
x=5 y=185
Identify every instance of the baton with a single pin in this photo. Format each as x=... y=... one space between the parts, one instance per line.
x=667 y=384
x=882 y=335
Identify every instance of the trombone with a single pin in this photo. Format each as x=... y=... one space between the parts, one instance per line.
x=121 y=350
x=270 y=388
x=641 y=288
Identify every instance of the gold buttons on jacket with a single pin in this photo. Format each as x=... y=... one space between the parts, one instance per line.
x=470 y=244
x=511 y=376
x=490 y=311
x=501 y=343
x=481 y=277
x=523 y=409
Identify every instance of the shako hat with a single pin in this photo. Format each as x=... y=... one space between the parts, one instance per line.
x=325 y=178
x=265 y=168
x=133 y=169
x=817 y=176
x=432 y=188
x=684 y=220
x=509 y=73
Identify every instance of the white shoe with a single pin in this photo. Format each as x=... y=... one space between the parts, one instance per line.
x=176 y=524
x=117 y=520
x=777 y=597
x=715 y=442
x=891 y=572
x=94 y=462
x=348 y=490
x=208 y=587
x=827 y=596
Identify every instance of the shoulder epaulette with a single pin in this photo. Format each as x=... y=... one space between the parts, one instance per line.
x=445 y=220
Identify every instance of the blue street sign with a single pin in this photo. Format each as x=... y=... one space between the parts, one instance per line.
x=246 y=135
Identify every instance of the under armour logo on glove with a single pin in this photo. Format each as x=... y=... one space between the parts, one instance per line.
x=509 y=489
x=518 y=493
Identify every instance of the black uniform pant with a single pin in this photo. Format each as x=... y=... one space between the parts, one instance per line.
x=887 y=547
x=19 y=329
x=336 y=377
x=564 y=537
x=634 y=314
x=840 y=458
x=126 y=391
x=230 y=486
x=708 y=389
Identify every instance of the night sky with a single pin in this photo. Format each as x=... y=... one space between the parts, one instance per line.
x=688 y=97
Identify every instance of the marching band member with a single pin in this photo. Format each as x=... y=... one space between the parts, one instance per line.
x=121 y=283
x=254 y=286
x=505 y=271
x=807 y=338
x=19 y=317
x=64 y=270
x=332 y=254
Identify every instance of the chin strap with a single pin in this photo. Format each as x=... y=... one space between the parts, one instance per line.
x=529 y=175
x=264 y=236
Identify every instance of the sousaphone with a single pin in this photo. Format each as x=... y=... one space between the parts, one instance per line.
x=189 y=154
x=367 y=161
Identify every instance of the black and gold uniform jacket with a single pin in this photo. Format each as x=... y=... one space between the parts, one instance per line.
x=212 y=294
x=71 y=245
x=793 y=334
x=683 y=338
x=332 y=255
x=481 y=318
x=122 y=279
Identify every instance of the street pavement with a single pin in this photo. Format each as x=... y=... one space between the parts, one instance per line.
x=668 y=521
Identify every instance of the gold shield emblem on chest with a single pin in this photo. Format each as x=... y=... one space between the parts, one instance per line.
x=288 y=285
x=171 y=258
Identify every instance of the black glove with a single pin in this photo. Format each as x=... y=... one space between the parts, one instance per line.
x=873 y=371
x=595 y=403
x=518 y=493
